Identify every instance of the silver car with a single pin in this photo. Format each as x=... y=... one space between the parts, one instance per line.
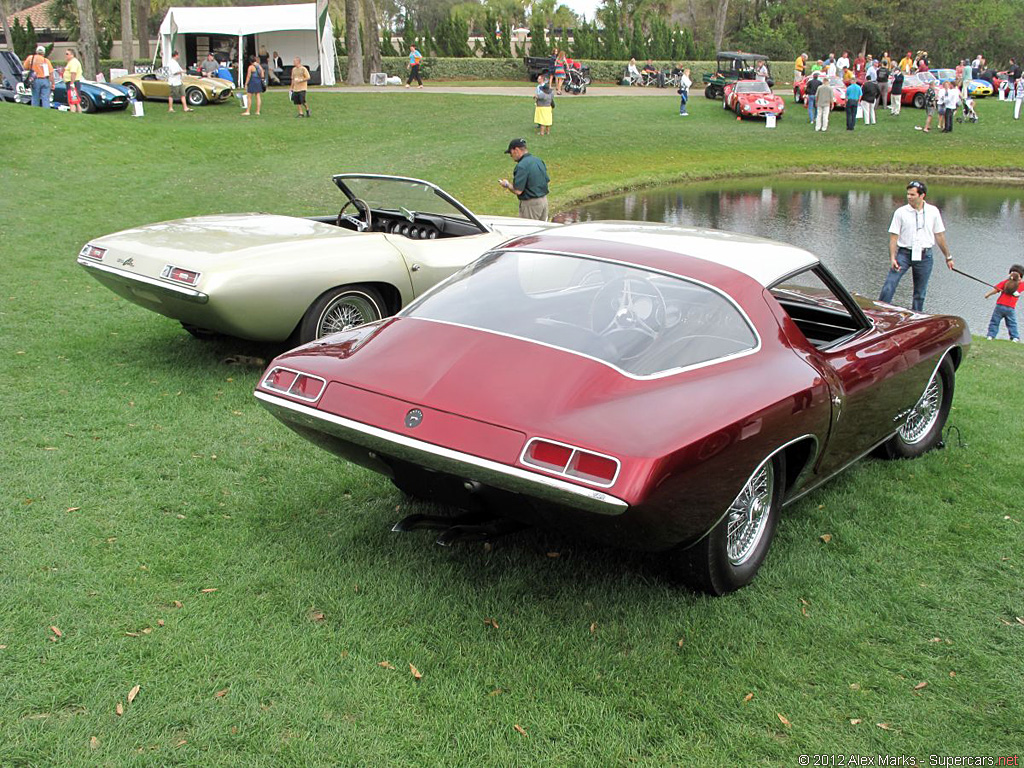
x=275 y=278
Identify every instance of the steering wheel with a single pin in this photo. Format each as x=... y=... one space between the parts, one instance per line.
x=629 y=313
x=362 y=210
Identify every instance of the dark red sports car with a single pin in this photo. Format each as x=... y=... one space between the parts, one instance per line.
x=658 y=387
x=752 y=98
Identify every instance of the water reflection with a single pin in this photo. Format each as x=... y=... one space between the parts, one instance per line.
x=847 y=227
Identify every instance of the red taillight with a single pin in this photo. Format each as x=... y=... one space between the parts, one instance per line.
x=593 y=468
x=92 y=252
x=295 y=383
x=179 y=275
x=549 y=455
x=568 y=461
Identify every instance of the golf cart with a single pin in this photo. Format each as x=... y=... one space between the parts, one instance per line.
x=730 y=67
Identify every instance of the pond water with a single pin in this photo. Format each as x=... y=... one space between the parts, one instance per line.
x=846 y=223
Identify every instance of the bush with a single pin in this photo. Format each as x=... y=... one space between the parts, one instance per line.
x=434 y=68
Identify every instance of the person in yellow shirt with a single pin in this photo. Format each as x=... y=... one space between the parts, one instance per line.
x=73 y=76
x=798 y=66
x=907 y=63
x=42 y=82
x=300 y=82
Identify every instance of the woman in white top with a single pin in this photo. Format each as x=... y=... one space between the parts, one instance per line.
x=684 y=91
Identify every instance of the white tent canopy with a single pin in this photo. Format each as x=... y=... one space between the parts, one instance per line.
x=303 y=30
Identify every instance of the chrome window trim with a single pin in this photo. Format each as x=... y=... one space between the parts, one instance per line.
x=179 y=292
x=565 y=473
x=636 y=377
x=543 y=486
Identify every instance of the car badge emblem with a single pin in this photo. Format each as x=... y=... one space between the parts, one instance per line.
x=129 y=262
x=413 y=418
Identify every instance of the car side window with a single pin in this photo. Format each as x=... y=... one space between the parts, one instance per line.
x=814 y=303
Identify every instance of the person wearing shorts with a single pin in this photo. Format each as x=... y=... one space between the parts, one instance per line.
x=300 y=79
x=174 y=84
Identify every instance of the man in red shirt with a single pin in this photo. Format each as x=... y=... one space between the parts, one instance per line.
x=1006 y=304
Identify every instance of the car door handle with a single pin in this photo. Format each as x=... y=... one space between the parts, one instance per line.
x=414 y=268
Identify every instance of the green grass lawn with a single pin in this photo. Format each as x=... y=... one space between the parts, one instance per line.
x=161 y=530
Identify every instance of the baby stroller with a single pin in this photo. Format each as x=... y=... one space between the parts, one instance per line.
x=967 y=113
x=577 y=78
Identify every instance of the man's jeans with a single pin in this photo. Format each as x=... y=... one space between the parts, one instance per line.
x=922 y=271
x=812 y=112
x=1003 y=312
x=41 y=92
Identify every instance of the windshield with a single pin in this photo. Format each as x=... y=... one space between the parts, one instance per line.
x=642 y=323
x=759 y=86
x=406 y=196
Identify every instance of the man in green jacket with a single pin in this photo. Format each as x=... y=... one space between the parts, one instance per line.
x=529 y=181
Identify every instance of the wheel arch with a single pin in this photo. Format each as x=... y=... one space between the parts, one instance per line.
x=390 y=293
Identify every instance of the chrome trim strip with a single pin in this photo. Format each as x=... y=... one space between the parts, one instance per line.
x=444 y=459
x=188 y=294
x=565 y=472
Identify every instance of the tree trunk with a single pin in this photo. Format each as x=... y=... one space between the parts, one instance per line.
x=355 y=51
x=88 y=53
x=6 y=11
x=142 y=25
x=721 y=11
x=373 y=32
x=127 y=45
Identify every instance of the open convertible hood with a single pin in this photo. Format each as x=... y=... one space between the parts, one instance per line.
x=404 y=195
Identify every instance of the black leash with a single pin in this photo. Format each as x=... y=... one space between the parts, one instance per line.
x=972 y=277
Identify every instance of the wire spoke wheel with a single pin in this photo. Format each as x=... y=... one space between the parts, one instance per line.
x=747 y=518
x=925 y=413
x=347 y=311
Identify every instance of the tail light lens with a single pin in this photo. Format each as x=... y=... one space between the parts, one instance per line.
x=569 y=461
x=179 y=275
x=92 y=252
x=302 y=386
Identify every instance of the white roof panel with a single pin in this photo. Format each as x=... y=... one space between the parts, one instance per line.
x=766 y=261
x=240 y=20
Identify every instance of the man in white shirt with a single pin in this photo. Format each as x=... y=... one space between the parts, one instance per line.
x=916 y=227
x=843 y=62
x=174 y=82
x=952 y=102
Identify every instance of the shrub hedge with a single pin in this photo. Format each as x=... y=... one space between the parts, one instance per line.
x=434 y=68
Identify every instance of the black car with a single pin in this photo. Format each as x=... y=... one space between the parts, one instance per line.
x=11 y=75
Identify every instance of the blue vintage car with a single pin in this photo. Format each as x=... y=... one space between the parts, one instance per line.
x=95 y=96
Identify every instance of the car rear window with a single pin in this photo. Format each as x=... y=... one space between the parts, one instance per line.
x=641 y=322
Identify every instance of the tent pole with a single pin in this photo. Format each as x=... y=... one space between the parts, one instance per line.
x=241 y=56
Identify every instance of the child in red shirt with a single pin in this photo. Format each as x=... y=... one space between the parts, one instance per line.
x=1006 y=305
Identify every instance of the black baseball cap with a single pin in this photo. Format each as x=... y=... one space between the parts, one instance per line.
x=515 y=144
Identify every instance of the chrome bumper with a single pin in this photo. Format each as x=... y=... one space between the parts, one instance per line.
x=133 y=279
x=375 y=440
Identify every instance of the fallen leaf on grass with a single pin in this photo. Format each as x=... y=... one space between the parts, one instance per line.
x=854 y=686
x=208 y=589
x=132 y=634
x=856 y=721
x=952 y=673
x=522 y=731
x=56 y=631
x=803 y=610
x=1020 y=619
x=181 y=742
x=159 y=622
x=884 y=726
x=94 y=743
x=385 y=664
x=119 y=709
x=3 y=647
x=315 y=615
x=417 y=675
x=681 y=642
x=552 y=555
x=935 y=640
x=133 y=693
x=221 y=693
x=593 y=627
x=178 y=604
x=490 y=623
x=748 y=697
x=922 y=684
x=73 y=509
x=496 y=692
x=783 y=720
x=826 y=537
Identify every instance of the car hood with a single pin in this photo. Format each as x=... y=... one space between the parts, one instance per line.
x=213 y=237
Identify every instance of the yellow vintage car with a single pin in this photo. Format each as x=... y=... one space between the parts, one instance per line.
x=199 y=91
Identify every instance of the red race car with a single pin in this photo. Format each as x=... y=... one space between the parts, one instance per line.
x=752 y=98
x=838 y=90
x=657 y=387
